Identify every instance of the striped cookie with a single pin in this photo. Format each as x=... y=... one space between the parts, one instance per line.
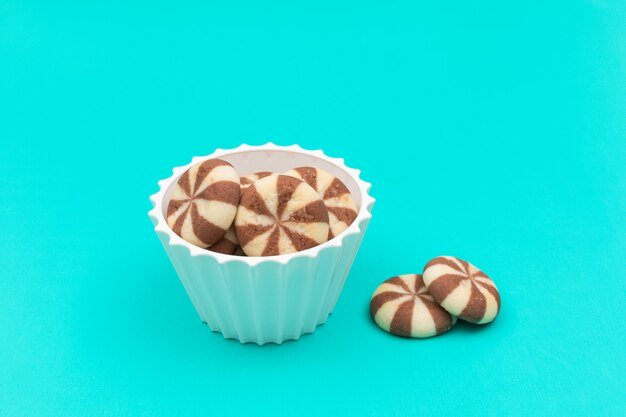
x=342 y=209
x=462 y=289
x=280 y=214
x=401 y=306
x=248 y=180
x=204 y=202
x=227 y=244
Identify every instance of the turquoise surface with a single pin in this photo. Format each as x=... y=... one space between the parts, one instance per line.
x=495 y=132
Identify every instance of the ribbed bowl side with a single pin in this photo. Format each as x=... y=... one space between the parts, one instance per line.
x=177 y=258
x=269 y=302
x=349 y=250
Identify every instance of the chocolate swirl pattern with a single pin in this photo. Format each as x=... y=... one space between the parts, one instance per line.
x=227 y=244
x=280 y=214
x=342 y=209
x=248 y=180
x=204 y=202
x=462 y=289
x=402 y=306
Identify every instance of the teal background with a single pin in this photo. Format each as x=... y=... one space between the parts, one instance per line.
x=495 y=132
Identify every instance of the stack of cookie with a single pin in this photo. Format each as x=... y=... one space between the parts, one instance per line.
x=259 y=214
x=427 y=305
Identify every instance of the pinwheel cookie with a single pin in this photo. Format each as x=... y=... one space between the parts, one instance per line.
x=462 y=289
x=280 y=214
x=227 y=244
x=402 y=306
x=248 y=180
x=342 y=209
x=204 y=202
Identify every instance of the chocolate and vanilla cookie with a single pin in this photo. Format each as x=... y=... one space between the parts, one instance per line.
x=342 y=209
x=280 y=214
x=227 y=244
x=248 y=180
x=462 y=289
x=204 y=202
x=402 y=306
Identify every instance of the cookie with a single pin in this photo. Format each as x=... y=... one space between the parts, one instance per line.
x=342 y=209
x=248 y=180
x=402 y=306
x=462 y=289
x=204 y=202
x=280 y=214
x=227 y=244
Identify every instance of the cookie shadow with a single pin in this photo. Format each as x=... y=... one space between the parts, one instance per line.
x=461 y=326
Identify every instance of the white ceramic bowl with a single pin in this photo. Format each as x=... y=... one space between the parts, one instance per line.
x=273 y=298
